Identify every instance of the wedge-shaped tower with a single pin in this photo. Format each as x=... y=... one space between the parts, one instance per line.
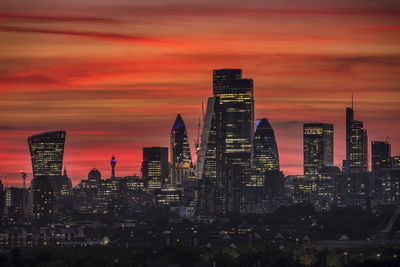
x=181 y=159
x=209 y=161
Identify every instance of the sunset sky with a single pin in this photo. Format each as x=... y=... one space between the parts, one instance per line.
x=114 y=74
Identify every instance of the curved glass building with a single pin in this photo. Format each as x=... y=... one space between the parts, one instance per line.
x=47 y=151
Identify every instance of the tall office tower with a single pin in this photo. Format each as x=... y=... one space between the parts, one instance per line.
x=47 y=150
x=349 y=121
x=237 y=127
x=181 y=159
x=358 y=161
x=155 y=166
x=113 y=162
x=209 y=160
x=318 y=148
x=266 y=180
x=265 y=153
x=381 y=157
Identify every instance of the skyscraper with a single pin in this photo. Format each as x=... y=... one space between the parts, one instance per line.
x=181 y=159
x=47 y=151
x=349 y=121
x=209 y=160
x=381 y=157
x=358 y=148
x=225 y=151
x=264 y=154
x=236 y=104
x=318 y=148
x=266 y=181
x=155 y=166
x=356 y=144
x=229 y=127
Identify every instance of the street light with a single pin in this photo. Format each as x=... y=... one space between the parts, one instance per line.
x=378 y=256
x=345 y=257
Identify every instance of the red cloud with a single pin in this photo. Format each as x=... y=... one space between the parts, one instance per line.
x=54 y=18
x=96 y=35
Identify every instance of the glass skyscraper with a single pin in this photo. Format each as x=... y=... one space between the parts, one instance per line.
x=266 y=180
x=181 y=159
x=209 y=160
x=358 y=148
x=47 y=151
x=349 y=121
x=155 y=166
x=229 y=126
x=356 y=144
x=265 y=153
x=318 y=148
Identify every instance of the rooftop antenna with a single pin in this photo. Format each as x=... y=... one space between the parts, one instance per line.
x=352 y=101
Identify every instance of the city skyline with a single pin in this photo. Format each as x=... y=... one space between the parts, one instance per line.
x=116 y=91
x=179 y=119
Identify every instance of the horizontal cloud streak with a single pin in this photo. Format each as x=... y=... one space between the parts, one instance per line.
x=55 y=18
x=189 y=10
x=96 y=35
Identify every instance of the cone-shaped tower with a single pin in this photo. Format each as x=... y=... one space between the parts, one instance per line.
x=181 y=158
x=180 y=150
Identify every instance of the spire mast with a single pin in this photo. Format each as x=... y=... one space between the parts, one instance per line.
x=352 y=101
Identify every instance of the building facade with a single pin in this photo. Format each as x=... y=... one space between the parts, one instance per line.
x=155 y=166
x=380 y=155
x=181 y=158
x=318 y=148
x=47 y=151
x=237 y=122
x=358 y=149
